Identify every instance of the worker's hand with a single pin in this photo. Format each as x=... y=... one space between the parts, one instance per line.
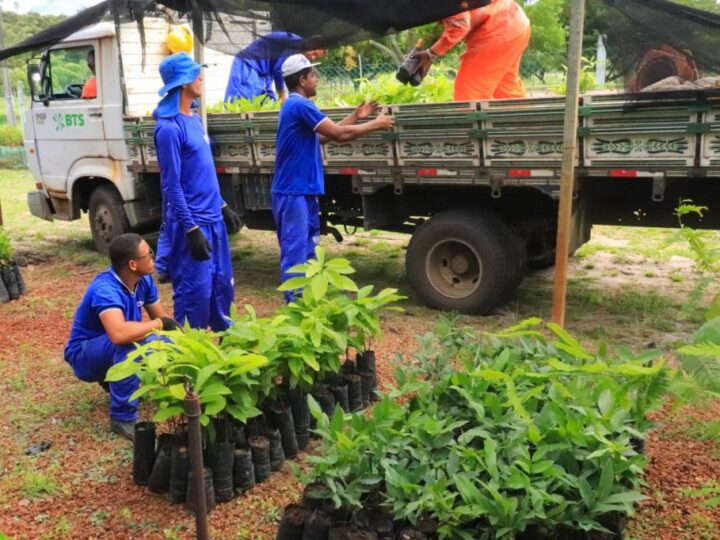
x=383 y=121
x=168 y=323
x=425 y=59
x=232 y=220
x=366 y=109
x=199 y=246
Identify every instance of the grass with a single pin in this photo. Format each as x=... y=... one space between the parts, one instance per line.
x=36 y=484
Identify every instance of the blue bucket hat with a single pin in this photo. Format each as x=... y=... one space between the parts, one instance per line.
x=175 y=70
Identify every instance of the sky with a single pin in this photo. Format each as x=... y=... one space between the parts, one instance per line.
x=47 y=7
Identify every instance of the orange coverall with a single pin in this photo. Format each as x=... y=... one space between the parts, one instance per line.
x=496 y=37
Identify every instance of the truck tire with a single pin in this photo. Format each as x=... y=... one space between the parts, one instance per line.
x=461 y=261
x=107 y=217
x=517 y=257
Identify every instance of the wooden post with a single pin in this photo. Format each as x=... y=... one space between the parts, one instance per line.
x=192 y=413
x=567 y=177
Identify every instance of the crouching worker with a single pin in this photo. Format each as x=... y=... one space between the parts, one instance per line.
x=108 y=323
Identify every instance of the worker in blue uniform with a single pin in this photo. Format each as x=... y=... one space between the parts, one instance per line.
x=108 y=323
x=298 y=179
x=258 y=66
x=198 y=250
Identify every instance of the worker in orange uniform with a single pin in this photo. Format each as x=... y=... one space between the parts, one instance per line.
x=495 y=37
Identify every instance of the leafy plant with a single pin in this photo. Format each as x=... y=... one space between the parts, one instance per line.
x=329 y=316
x=503 y=433
x=6 y=250
x=707 y=259
x=227 y=382
x=701 y=359
x=243 y=105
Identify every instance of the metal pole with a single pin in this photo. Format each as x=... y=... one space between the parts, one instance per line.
x=199 y=50
x=6 y=80
x=21 y=104
x=567 y=178
x=601 y=62
x=192 y=413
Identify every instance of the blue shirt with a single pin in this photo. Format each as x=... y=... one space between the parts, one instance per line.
x=258 y=65
x=105 y=292
x=188 y=179
x=298 y=160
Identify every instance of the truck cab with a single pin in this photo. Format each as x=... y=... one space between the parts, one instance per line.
x=75 y=137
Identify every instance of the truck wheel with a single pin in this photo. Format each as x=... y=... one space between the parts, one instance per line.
x=517 y=257
x=459 y=261
x=107 y=217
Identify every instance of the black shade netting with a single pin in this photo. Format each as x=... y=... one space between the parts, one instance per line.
x=634 y=28
x=319 y=24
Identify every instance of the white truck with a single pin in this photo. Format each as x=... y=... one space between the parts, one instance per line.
x=76 y=147
x=475 y=183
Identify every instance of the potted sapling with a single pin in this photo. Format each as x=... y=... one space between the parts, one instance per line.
x=366 y=328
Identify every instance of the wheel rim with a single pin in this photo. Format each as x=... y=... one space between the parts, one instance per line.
x=454 y=268
x=103 y=224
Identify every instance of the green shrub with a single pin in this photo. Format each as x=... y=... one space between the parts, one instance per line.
x=10 y=135
x=490 y=436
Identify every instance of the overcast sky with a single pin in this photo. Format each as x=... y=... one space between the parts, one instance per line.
x=47 y=7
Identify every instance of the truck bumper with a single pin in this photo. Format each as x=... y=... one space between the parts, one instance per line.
x=39 y=205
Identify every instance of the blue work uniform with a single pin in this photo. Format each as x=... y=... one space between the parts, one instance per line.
x=297 y=183
x=203 y=291
x=259 y=65
x=89 y=350
x=162 y=250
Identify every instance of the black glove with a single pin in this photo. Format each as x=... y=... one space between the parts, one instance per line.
x=170 y=324
x=232 y=220
x=163 y=277
x=199 y=246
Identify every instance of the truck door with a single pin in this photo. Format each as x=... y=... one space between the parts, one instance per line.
x=68 y=120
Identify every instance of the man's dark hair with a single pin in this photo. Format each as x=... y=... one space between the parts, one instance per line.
x=124 y=248
x=293 y=81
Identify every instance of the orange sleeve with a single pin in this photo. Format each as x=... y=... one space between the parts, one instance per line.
x=456 y=28
x=90 y=89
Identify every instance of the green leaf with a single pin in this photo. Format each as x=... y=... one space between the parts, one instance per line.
x=167 y=412
x=319 y=286
x=204 y=374
x=294 y=284
x=140 y=392
x=216 y=389
x=177 y=391
x=214 y=405
x=123 y=370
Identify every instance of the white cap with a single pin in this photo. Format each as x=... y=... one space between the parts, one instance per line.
x=295 y=63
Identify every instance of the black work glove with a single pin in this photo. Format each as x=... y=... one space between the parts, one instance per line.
x=199 y=246
x=170 y=324
x=232 y=220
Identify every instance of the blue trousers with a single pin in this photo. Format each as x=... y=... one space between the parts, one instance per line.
x=246 y=82
x=91 y=361
x=162 y=252
x=297 y=219
x=203 y=291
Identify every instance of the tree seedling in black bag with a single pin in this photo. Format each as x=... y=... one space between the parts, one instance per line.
x=293 y=522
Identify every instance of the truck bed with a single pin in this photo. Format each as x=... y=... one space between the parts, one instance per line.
x=507 y=141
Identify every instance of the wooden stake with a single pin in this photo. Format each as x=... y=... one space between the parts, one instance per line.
x=567 y=178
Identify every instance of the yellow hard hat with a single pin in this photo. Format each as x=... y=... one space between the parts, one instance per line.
x=180 y=39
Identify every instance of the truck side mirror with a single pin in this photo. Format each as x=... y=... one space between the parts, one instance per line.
x=34 y=78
